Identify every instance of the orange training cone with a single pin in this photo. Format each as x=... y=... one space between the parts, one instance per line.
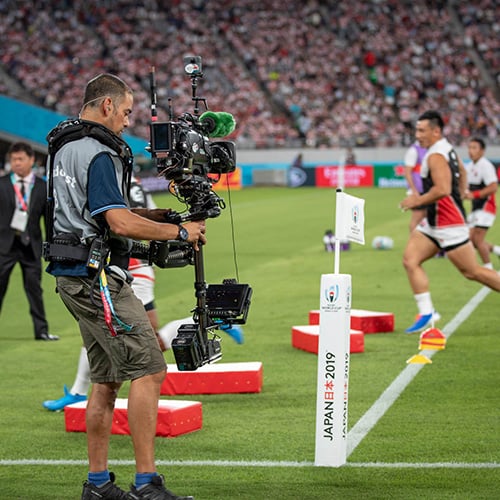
x=432 y=338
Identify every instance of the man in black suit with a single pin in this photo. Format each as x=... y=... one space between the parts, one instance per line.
x=23 y=199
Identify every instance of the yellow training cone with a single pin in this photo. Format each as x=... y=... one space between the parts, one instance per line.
x=419 y=359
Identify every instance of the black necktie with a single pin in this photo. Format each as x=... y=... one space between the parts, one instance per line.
x=23 y=191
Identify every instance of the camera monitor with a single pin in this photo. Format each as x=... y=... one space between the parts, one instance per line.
x=162 y=137
x=229 y=301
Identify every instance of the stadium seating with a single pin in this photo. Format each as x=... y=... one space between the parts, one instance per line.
x=326 y=74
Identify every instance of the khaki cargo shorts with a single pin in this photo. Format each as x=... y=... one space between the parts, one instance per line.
x=130 y=354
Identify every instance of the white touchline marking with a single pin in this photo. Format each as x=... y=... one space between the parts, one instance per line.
x=264 y=463
x=365 y=424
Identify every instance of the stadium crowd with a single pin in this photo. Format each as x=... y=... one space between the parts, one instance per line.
x=323 y=74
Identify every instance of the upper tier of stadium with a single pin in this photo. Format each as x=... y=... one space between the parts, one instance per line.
x=322 y=74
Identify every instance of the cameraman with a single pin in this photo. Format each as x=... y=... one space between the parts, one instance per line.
x=89 y=177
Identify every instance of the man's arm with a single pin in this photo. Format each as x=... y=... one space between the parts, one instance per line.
x=482 y=193
x=155 y=214
x=409 y=179
x=440 y=172
x=410 y=160
x=125 y=223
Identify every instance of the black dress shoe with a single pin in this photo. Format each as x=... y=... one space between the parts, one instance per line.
x=46 y=336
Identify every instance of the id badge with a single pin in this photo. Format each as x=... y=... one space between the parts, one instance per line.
x=19 y=220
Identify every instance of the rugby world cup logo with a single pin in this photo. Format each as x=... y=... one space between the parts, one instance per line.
x=355 y=214
x=332 y=294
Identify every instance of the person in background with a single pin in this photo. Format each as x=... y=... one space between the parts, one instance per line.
x=23 y=202
x=445 y=226
x=412 y=162
x=329 y=241
x=482 y=185
x=350 y=156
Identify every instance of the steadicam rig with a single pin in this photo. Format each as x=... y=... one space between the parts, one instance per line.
x=181 y=147
x=185 y=155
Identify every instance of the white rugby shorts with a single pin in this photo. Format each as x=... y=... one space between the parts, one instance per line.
x=143 y=284
x=480 y=218
x=448 y=237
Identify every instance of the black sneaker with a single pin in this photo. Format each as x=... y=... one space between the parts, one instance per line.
x=154 y=491
x=108 y=491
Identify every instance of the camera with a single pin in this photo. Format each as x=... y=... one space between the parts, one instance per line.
x=181 y=148
x=185 y=155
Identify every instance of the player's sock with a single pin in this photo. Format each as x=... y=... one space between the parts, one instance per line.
x=99 y=478
x=144 y=478
x=424 y=303
x=82 y=380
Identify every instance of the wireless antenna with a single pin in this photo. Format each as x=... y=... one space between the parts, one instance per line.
x=170 y=109
x=152 y=83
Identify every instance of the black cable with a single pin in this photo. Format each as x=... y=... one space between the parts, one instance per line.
x=233 y=238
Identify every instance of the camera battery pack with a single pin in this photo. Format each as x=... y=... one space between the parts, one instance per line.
x=98 y=254
x=186 y=348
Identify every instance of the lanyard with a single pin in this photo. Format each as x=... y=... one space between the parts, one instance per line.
x=109 y=311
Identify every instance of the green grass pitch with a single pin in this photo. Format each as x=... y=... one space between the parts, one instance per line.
x=440 y=439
